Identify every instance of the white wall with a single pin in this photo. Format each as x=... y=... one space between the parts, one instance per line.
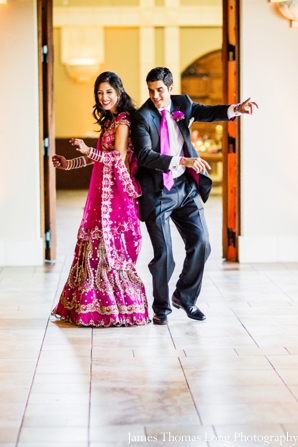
x=269 y=155
x=20 y=228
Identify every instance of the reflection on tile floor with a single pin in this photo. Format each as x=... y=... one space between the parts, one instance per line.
x=232 y=379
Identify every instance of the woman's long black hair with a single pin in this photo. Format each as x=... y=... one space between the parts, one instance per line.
x=124 y=104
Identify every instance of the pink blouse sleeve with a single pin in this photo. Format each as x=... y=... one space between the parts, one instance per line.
x=123 y=118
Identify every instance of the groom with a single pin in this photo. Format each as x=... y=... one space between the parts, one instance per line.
x=172 y=177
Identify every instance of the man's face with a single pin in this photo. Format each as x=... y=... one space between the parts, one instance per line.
x=160 y=94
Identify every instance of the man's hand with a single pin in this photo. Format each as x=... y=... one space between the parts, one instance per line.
x=59 y=161
x=198 y=164
x=246 y=107
x=82 y=147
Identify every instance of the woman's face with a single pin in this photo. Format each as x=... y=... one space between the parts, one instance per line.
x=107 y=96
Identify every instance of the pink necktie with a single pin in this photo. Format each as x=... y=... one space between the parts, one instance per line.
x=165 y=148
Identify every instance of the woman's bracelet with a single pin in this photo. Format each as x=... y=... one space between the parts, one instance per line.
x=76 y=163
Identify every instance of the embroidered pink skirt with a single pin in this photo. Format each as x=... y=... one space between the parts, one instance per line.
x=98 y=295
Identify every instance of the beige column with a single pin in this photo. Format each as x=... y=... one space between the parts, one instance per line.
x=147 y=59
x=172 y=54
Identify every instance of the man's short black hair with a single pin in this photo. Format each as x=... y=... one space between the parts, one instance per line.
x=160 y=74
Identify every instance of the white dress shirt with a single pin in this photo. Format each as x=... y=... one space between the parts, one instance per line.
x=176 y=140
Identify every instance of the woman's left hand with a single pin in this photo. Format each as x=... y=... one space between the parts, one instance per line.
x=81 y=146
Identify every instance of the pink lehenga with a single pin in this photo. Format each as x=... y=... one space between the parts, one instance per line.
x=103 y=287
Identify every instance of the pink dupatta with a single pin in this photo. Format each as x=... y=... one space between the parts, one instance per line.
x=112 y=211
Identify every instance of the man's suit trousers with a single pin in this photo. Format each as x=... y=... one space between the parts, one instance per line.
x=182 y=205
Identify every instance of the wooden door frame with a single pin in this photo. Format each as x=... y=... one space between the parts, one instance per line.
x=47 y=132
x=231 y=148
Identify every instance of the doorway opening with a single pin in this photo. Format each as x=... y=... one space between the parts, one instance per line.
x=223 y=139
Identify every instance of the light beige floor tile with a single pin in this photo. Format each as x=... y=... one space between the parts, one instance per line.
x=294 y=390
x=208 y=330
x=291 y=429
x=152 y=353
x=229 y=394
x=69 y=420
x=228 y=305
x=278 y=341
x=147 y=331
x=163 y=341
x=11 y=414
x=243 y=432
x=24 y=334
x=23 y=323
x=213 y=342
x=57 y=408
x=65 y=356
x=262 y=351
x=70 y=363
x=99 y=353
x=233 y=377
x=123 y=397
x=58 y=398
x=21 y=379
x=17 y=365
x=81 y=350
x=267 y=314
x=20 y=354
x=60 y=368
x=61 y=434
x=143 y=414
x=8 y=434
x=13 y=394
x=225 y=363
x=282 y=304
x=49 y=443
x=284 y=413
x=289 y=376
x=283 y=362
x=212 y=352
x=271 y=331
x=136 y=364
x=61 y=379
x=117 y=433
x=62 y=388
x=139 y=378
x=292 y=350
x=70 y=344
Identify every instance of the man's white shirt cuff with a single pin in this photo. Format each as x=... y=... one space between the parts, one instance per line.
x=175 y=163
x=232 y=113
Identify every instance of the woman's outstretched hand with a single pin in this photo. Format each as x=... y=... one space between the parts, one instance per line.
x=81 y=146
x=59 y=161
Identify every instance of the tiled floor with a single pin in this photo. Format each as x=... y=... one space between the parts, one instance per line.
x=230 y=380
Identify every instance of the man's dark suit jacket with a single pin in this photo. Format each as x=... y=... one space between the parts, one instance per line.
x=145 y=133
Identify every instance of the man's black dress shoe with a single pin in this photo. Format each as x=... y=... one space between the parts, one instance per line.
x=191 y=311
x=160 y=320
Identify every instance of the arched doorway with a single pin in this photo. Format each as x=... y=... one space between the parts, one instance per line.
x=202 y=81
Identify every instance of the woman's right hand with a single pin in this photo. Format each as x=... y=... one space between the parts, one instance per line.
x=59 y=161
x=82 y=146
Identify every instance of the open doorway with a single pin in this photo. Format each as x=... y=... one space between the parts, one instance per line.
x=160 y=52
